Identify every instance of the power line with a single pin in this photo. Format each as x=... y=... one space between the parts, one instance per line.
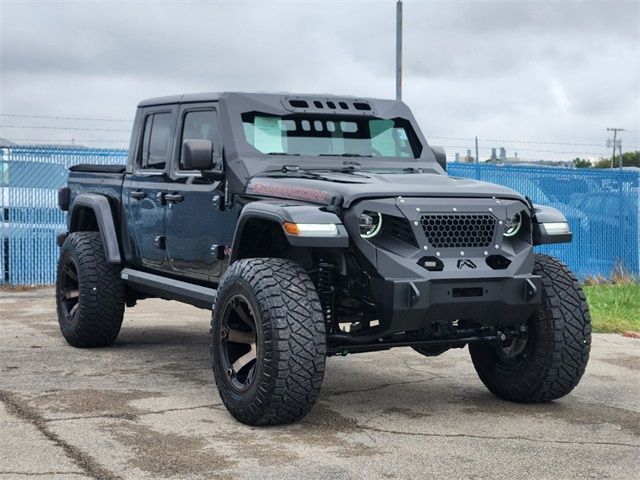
x=530 y=150
x=95 y=119
x=46 y=127
x=536 y=142
x=51 y=117
x=67 y=141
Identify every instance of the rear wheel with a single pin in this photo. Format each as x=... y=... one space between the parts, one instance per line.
x=547 y=358
x=268 y=341
x=89 y=292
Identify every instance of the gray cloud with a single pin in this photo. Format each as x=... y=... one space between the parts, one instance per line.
x=553 y=71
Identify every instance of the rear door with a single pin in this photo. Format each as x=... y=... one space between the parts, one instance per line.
x=193 y=221
x=146 y=186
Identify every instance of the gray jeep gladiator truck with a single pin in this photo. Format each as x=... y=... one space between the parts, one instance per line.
x=316 y=225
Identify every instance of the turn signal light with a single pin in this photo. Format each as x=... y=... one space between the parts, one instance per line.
x=310 y=229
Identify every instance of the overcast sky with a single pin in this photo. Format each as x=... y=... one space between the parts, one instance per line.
x=554 y=72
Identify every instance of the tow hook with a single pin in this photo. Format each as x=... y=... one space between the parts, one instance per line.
x=530 y=290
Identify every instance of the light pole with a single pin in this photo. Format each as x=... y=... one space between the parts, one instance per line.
x=399 y=50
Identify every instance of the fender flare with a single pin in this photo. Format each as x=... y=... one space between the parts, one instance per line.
x=104 y=216
x=278 y=213
x=543 y=217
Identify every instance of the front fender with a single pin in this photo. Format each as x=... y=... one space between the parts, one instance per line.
x=279 y=213
x=549 y=225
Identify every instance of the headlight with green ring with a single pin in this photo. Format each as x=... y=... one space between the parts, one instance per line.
x=512 y=225
x=370 y=224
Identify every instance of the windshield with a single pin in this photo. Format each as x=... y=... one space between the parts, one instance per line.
x=330 y=135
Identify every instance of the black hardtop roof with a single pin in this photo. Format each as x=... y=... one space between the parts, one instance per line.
x=257 y=96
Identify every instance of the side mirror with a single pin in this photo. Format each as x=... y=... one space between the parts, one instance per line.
x=197 y=154
x=441 y=157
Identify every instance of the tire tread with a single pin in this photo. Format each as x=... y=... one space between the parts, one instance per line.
x=101 y=303
x=294 y=341
x=563 y=342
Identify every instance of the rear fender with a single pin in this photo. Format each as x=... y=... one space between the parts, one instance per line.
x=80 y=220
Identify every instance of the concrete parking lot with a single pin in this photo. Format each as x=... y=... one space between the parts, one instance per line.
x=148 y=408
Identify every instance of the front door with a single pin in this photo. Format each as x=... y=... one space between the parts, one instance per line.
x=194 y=206
x=146 y=186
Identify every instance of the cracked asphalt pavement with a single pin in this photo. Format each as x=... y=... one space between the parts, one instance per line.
x=147 y=408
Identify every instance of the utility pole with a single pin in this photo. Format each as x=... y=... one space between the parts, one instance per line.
x=399 y=50
x=620 y=152
x=615 y=134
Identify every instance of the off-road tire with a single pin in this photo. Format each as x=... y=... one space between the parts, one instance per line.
x=290 y=341
x=100 y=304
x=558 y=344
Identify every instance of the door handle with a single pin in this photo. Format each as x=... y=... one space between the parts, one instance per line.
x=138 y=194
x=173 y=197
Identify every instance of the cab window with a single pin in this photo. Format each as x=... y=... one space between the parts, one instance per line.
x=156 y=141
x=200 y=125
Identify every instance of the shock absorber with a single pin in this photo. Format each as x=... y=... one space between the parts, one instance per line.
x=326 y=293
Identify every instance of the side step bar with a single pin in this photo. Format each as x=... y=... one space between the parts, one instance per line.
x=170 y=289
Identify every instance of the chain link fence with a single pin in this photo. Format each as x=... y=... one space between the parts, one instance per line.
x=31 y=177
x=602 y=206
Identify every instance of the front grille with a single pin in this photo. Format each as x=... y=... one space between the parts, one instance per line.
x=459 y=230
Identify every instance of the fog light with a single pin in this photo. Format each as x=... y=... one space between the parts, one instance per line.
x=370 y=224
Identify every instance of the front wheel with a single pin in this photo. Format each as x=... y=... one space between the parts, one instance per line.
x=547 y=361
x=268 y=341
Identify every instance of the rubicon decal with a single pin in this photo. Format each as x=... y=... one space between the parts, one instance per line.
x=288 y=191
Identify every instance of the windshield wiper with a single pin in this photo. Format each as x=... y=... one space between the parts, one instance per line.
x=285 y=154
x=349 y=167
x=292 y=169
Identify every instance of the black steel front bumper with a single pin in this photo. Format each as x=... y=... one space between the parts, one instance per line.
x=410 y=305
x=481 y=278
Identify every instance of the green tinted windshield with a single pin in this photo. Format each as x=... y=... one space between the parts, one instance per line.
x=330 y=135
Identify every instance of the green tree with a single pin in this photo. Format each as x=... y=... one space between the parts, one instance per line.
x=581 y=163
x=603 y=163
x=631 y=159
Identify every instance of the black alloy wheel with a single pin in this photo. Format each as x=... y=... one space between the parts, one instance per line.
x=69 y=291
x=238 y=350
x=512 y=352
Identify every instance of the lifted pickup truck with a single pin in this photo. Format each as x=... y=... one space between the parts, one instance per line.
x=317 y=225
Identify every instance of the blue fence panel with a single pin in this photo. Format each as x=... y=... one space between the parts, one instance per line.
x=602 y=206
x=31 y=177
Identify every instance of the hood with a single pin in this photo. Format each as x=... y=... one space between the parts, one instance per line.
x=321 y=188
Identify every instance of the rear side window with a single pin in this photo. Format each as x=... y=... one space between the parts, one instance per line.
x=200 y=125
x=156 y=141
